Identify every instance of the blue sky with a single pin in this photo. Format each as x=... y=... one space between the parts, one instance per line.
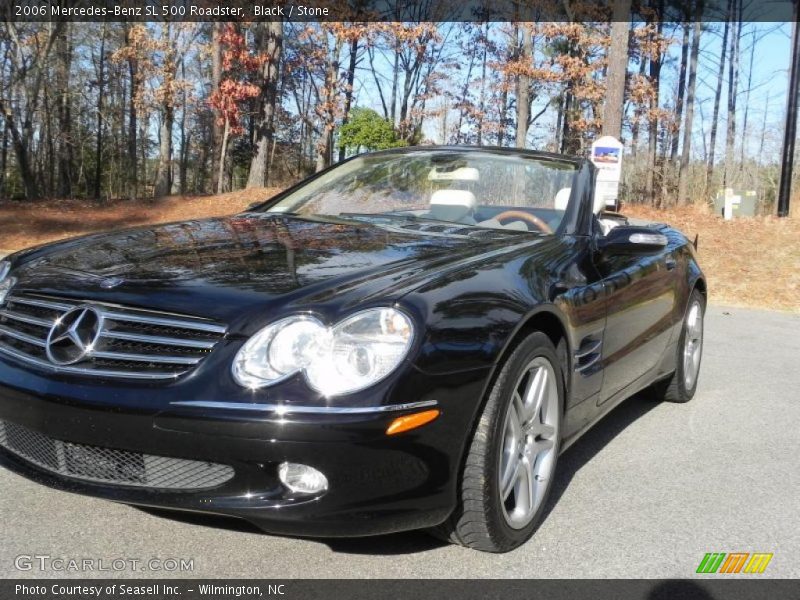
x=768 y=90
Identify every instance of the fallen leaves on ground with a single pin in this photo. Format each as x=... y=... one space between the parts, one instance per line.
x=752 y=261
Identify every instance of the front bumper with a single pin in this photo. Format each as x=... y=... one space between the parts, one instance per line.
x=377 y=484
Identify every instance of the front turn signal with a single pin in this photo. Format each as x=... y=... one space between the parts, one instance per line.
x=409 y=422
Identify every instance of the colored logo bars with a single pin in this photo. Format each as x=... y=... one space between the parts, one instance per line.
x=735 y=562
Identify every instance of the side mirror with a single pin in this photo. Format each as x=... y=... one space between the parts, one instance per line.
x=628 y=239
x=252 y=206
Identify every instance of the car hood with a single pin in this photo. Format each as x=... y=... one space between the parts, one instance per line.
x=227 y=268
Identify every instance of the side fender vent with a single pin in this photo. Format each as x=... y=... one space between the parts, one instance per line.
x=588 y=355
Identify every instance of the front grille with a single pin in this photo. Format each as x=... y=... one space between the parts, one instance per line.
x=132 y=343
x=106 y=465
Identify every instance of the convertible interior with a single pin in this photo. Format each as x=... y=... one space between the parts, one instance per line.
x=459 y=201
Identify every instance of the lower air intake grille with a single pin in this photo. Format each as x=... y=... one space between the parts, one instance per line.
x=106 y=465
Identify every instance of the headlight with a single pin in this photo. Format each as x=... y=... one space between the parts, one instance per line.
x=6 y=282
x=349 y=356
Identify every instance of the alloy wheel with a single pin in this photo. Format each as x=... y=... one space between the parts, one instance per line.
x=693 y=344
x=527 y=458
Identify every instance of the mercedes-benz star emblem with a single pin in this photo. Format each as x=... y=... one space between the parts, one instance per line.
x=109 y=283
x=73 y=337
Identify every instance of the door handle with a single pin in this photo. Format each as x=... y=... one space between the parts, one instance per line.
x=671 y=263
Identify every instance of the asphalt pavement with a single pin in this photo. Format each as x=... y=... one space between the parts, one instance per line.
x=646 y=493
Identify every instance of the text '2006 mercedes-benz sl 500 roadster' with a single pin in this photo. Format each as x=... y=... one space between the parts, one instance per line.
x=407 y=340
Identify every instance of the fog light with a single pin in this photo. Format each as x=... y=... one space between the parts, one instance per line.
x=302 y=479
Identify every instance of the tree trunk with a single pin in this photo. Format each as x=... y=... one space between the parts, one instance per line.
x=131 y=158
x=482 y=101
x=271 y=44
x=101 y=76
x=463 y=105
x=223 y=153
x=3 y=161
x=328 y=100
x=348 y=92
x=169 y=68
x=617 y=69
x=747 y=103
x=636 y=127
x=216 y=79
x=47 y=155
x=652 y=139
x=683 y=169
x=163 y=185
x=524 y=88
x=395 y=83
x=21 y=153
x=185 y=139
x=65 y=142
x=501 y=130
x=733 y=90
x=681 y=91
x=567 y=142
x=717 y=95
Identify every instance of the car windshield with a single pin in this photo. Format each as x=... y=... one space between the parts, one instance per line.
x=466 y=188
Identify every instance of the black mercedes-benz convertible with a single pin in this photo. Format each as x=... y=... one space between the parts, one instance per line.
x=406 y=340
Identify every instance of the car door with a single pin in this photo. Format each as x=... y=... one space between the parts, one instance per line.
x=640 y=293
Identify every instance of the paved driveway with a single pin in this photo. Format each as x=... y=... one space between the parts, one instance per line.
x=645 y=494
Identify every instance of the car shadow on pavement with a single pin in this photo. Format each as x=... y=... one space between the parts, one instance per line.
x=598 y=437
x=572 y=461
x=412 y=542
x=679 y=589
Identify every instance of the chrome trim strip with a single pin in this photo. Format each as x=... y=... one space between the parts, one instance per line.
x=157 y=339
x=41 y=303
x=188 y=324
x=22 y=337
x=26 y=319
x=78 y=371
x=284 y=409
x=591 y=363
x=146 y=358
x=593 y=348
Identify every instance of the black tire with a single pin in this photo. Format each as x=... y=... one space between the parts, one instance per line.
x=478 y=521
x=675 y=389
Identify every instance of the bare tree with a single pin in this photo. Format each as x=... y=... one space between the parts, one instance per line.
x=681 y=90
x=655 y=79
x=733 y=87
x=64 y=112
x=524 y=87
x=683 y=169
x=217 y=129
x=717 y=96
x=28 y=66
x=269 y=41
x=101 y=87
x=617 y=69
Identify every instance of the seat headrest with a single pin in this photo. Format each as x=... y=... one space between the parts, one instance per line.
x=562 y=198
x=452 y=205
x=454 y=198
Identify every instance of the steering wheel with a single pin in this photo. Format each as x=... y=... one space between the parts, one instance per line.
x=521 y=215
